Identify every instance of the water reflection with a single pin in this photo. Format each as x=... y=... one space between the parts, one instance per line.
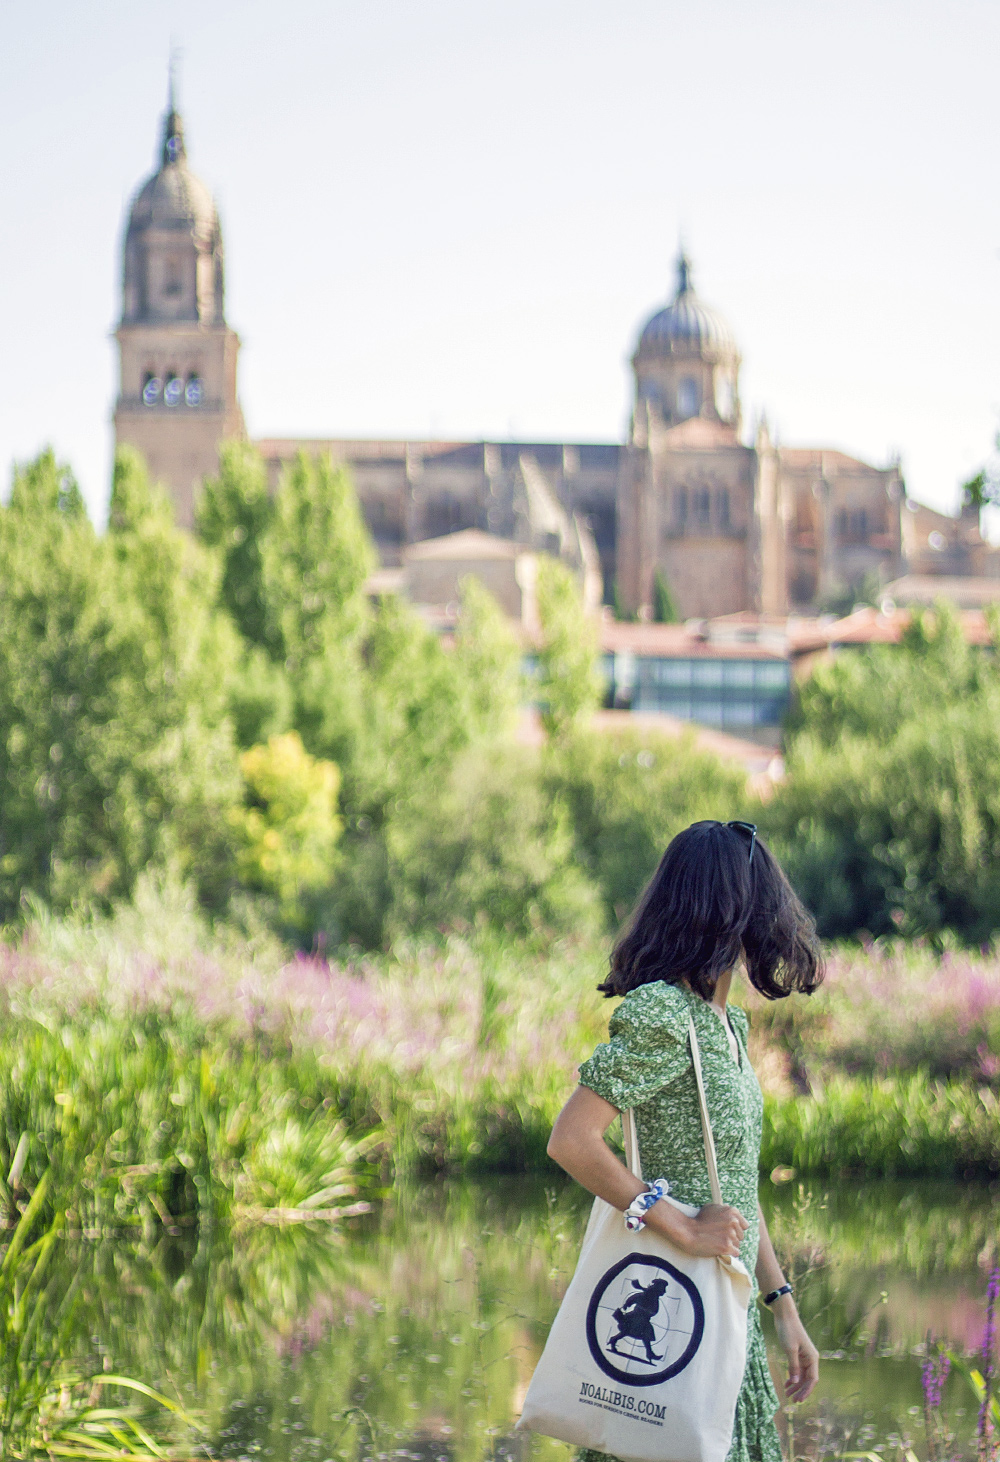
x=414 y=1334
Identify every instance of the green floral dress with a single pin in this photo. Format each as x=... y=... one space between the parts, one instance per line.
x=646 y=1065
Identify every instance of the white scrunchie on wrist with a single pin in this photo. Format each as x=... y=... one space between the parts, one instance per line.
x=635 y=1213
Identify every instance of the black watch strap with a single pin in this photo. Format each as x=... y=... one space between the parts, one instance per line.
x=776 y=1294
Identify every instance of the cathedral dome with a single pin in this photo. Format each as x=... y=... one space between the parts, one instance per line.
x=686 y=323
x=173 y=198
x=173 y=242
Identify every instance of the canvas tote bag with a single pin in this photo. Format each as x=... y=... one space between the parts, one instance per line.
x=645 y=1358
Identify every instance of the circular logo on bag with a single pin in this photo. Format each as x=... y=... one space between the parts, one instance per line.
x=645 y=1321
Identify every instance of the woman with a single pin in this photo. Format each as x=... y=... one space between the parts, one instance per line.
x=718 y=895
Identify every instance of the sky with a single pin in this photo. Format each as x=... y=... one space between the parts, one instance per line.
x=450 y=219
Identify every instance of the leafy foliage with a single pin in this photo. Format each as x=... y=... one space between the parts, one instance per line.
x=233 y=516
x=491 y=845
x=627 y=795
x=287 y=828
x=114 y=747
x=315 y=558
x=568 y=684
x=890 y=817
x=664 y=608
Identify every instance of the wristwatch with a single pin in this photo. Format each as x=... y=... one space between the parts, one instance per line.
x=776 y=1294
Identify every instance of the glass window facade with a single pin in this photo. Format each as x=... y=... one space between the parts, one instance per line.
x=728 y=694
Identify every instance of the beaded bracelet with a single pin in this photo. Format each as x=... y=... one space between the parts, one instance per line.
x=635 y=1213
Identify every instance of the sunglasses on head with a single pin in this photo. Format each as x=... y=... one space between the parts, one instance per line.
x=749 y=829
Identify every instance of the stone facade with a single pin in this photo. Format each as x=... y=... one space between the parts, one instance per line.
x=537 y=496
x=935 y=544
x=435 y=568
x=729 y=527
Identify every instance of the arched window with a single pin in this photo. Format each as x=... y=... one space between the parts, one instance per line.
x=722 y=508
x=688 y=397
x=194 y=391
x=702 y=507
x=680 y=506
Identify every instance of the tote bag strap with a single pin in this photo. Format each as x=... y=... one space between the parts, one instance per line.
x=631 y=1142
x=706 y=1125
x=631 y=1139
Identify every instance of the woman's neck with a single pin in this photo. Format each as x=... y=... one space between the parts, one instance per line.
x=722 y=988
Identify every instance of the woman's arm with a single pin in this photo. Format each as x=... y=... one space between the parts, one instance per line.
x=802 y=1355
x=577 y=1144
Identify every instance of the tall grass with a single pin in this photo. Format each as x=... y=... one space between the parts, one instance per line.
x=892 y=1126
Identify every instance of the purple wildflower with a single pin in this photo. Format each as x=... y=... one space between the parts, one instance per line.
x=933 y=1374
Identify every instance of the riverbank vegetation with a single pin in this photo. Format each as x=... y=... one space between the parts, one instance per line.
x=193 y=1075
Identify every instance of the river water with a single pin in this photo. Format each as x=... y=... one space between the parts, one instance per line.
x=414 y=1332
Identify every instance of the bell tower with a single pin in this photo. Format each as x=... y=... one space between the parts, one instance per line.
x=177 y=396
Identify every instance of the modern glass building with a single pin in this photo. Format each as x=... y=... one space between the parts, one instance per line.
x=736 y=692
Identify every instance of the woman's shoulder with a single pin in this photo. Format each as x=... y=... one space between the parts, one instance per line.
x=656 y=1007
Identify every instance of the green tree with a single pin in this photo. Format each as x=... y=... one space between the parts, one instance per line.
x=623 y=615
x=316 y=556
x=664 y=608
x=568 y=687
x=114 y=747
x=627 y=794
x=233 y=517
x=889 y=816
x=871 y=692
x=488 y=844
x=287 y=827
x=488 y=660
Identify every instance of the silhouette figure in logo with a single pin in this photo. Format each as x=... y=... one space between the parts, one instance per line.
x=635 y=1318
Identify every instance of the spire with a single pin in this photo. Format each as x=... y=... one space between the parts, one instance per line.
x=172 y=148
x=684 y=285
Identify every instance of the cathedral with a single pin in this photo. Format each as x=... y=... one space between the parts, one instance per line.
x=685 y=502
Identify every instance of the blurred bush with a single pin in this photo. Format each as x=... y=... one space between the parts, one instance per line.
x=115 y=746
x=889 y=819
x=627 y=794
x=287 y=827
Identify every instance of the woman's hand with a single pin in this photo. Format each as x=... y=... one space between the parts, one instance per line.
x=715 y=1232
x=801 y=1354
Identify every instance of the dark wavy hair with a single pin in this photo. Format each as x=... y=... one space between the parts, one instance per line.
x=709 y=902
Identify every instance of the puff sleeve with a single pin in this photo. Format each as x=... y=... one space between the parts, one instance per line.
x=647 y=1050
